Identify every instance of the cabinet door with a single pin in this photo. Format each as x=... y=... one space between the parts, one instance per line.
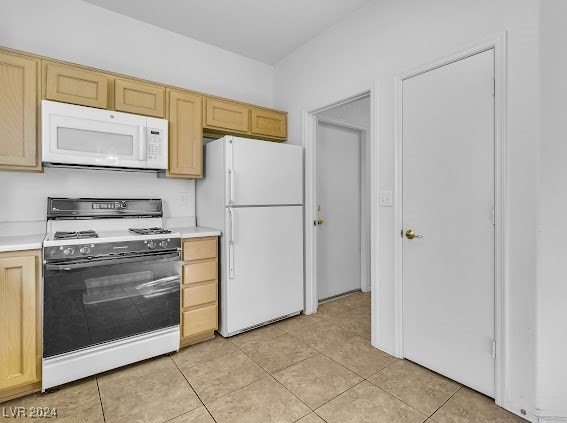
x=18 y=321
x=76 y=85
x=18 y=112
x=185 y=134
x=223 y=114
x=140 y=98
x=266 y=122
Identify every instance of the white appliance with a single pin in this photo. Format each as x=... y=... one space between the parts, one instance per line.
x=111 y=286
x=84 y=136
x=253 y=193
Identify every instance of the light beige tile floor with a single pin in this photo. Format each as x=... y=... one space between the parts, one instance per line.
x=307 y=369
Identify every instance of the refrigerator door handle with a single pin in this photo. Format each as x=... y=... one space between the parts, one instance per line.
x=230 y=244
x=230 y=187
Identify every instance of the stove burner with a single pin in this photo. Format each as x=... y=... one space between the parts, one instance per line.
x=149 y=231
x=75 y=235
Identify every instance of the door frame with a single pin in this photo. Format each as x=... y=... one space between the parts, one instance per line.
x=501 y=281
x=310 y=119
x=364 y=200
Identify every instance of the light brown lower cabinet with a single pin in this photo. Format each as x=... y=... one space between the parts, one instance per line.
x=199 y=290
x=20 y=323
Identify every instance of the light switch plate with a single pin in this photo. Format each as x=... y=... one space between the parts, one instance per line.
x=385 y=198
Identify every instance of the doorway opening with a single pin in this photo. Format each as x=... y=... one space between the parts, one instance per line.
x=338 y=213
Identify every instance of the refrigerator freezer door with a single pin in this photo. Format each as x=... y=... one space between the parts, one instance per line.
x=264 y=270
x=263 y=173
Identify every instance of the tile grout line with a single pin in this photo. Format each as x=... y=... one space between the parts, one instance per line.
x=284 y=332
x=232 y=392
x=285 y=387
x=193 y=389
x=383 y=368
x=199 y=364
x=277 y=381
x=363 y=379
x=338 y=395
x=403 y=402
x=441 y=406
x=100 y=399
x=330 y=358
x=400 y=399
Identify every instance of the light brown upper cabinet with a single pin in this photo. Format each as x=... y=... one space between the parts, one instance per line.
x=137 y=97
x=227 y=115
x=266 y=122
x=20 y=328
x=185 y=134
x=72 y=84
x=19 y=96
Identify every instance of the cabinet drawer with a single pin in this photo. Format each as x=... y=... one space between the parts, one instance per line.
x=272 y=124
x=140 y=98
x=226 y=115
x=199 y=320
x=199 y=272
x=197 y=295
x=76 y=85
x=198 y=250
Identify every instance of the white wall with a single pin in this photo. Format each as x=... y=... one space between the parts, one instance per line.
x=82 y=33
x=552 y=232
x=386 y=37
x=356 y=112
x=24 y=195
x=79 y=32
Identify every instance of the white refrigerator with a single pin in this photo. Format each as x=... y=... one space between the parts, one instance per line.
x=253 y=193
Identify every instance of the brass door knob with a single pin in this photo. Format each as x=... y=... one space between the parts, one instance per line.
x=410 y=234
x=320 y=221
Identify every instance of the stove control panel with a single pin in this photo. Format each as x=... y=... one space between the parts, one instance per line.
x=85 y=249
x=114 y=248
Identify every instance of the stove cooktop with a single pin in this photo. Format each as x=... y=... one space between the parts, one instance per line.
x=75 y=235
x=149 y=231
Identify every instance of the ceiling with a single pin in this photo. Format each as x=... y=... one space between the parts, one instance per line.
x=264 y=30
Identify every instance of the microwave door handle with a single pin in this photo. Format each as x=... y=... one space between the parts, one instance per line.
x=142 y=143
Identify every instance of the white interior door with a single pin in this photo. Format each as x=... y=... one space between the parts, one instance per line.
x=448 y=199
x=264 y=173
x=266 y=257
x=338 y=196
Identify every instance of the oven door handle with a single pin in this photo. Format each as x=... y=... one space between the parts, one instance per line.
x=161 y=281
x=107 y=262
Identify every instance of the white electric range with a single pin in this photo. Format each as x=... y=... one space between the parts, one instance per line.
x=111 y=286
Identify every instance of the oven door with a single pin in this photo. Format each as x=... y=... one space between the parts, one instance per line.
x=92 y=137
x=87 y=303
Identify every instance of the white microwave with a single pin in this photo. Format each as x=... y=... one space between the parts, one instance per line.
x=83 y=136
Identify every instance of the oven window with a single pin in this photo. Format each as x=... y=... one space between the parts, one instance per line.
x=84 y=307
x=103 y=143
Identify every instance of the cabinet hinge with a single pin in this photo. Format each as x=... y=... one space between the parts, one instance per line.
x=493 y=86
x=493 y=216
x=494 y=349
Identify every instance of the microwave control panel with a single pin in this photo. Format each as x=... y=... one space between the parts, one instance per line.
x=156 y=148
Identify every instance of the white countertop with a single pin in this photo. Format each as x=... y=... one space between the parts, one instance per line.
x=195 y=231
x=35 y=242
x=21 y=242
